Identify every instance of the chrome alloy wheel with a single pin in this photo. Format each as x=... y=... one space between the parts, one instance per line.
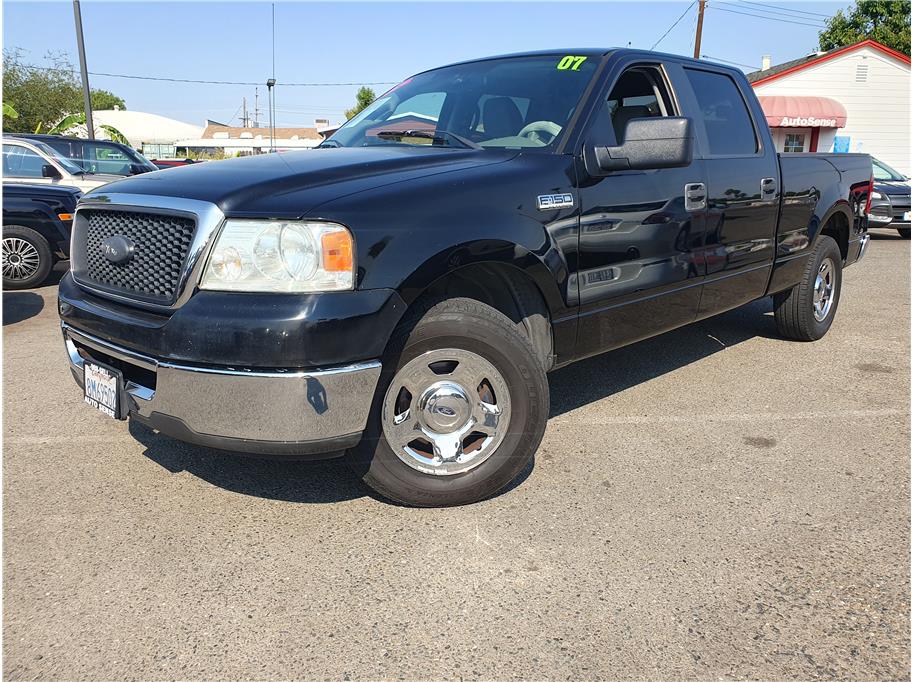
x=823 y=289
x=20 y=259
x=446 y=411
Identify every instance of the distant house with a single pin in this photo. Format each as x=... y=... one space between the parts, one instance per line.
x=849 y=99
x=240 y=141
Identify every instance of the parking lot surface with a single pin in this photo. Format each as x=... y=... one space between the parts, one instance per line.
x=712 y=503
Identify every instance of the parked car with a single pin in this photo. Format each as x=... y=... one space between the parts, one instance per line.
x=96 y=156
x=402 y=291
x=893 y=186
x=36 y=231
x=33 y=162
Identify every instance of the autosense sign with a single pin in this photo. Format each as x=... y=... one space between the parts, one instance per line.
x=807 y=122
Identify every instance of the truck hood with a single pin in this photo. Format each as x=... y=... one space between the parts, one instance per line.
x=291 y=184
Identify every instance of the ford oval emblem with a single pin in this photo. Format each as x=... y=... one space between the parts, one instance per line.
x=446 y=411
x=117 y=248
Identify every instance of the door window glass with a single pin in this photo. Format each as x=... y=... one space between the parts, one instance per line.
x=21 y=162
x=728 y=124
x=639 y=93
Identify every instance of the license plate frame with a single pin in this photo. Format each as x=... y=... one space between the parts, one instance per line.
x=102 y=385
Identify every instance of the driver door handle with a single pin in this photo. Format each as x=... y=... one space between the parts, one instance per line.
x=695 y=196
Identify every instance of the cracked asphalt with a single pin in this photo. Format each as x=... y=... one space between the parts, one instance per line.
x=713 y=503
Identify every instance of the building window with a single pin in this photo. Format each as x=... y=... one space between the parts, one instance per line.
x=159 y=151
x=794 y=142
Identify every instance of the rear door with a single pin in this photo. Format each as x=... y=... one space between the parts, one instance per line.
x=742 y=177
x=641 y=231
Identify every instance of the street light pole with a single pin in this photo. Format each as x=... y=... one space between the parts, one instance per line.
x=86 y=93
x=269 y=84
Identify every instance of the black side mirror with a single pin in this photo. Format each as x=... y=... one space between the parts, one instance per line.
x=653 y=142
x=136 y=169
x=49 y=171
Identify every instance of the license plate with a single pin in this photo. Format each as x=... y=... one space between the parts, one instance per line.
x=102 y=388
x=906 y=216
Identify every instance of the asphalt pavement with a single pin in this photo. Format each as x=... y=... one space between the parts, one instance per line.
x=713 y=503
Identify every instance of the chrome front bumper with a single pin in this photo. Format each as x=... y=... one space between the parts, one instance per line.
x=280 y=412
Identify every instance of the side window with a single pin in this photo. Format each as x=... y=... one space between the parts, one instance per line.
x=728 y=124
x=640 y=92
x=21 y=162
x=106 y=159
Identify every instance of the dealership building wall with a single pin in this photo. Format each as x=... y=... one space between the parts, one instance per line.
x=867 y=81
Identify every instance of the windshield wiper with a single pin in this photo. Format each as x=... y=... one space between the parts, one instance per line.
x=435 y=136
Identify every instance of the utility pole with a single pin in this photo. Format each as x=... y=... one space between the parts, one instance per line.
x=244 y=118
x=86 y=93
x=699 y=29
x=256 y=107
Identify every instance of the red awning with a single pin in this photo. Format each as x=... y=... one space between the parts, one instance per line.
x=794 y=111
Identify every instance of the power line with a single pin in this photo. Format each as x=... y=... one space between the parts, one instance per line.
x=770 y=12
x=677 y=21
x=760 y=16
x=728 y=61
x=203 y=82
x=786 y=9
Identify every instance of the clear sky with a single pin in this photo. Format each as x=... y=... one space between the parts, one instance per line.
x=365 y=42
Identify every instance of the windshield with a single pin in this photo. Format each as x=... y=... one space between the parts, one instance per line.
x=516 y=103
x=58 y=157
x=883 y=172
x=100 y=157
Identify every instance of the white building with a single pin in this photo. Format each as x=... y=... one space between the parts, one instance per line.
x=152 y=133
x=849 y=99
x=237 y=141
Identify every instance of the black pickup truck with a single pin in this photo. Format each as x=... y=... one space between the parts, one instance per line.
x=36 y=231
x=402 y=291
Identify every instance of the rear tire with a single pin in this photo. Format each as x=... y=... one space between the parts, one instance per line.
x=904 y=232
x=806 y=311
x=26 y=257
x=460 y=408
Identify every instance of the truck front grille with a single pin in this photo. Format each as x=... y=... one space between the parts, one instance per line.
x=160 y=247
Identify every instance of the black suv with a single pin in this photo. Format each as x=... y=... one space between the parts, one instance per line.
x=36 y=231
x=97 y=156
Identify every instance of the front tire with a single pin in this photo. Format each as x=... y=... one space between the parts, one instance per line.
x=26 y=257
x=904 y=232
x=460 y=408
x=806 y=311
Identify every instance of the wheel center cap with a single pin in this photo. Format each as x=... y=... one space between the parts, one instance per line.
x=14 y=259
x=444 y=407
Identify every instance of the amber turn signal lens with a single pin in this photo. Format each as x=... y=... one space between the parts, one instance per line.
x=65 y=216
x=337 y=252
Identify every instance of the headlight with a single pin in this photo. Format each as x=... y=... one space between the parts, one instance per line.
x=267 y=255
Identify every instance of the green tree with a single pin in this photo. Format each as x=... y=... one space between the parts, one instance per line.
x=886 y=21
x=362 y=100
x=44 y=96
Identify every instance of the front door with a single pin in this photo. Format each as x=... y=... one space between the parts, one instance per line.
x=639 y=271
x=21 y=164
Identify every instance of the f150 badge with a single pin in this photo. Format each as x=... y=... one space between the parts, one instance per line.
x=551 y=202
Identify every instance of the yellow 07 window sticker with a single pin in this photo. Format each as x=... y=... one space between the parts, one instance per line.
x=571 y=62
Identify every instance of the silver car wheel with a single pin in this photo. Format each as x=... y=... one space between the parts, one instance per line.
x=20 y=259
x=823 y=289
x=446 y=411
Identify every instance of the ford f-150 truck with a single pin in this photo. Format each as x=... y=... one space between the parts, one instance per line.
x=401 y=292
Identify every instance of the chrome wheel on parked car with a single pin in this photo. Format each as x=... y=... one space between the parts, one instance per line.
x=823 y=289
x=446 y=411
x=20 y=258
